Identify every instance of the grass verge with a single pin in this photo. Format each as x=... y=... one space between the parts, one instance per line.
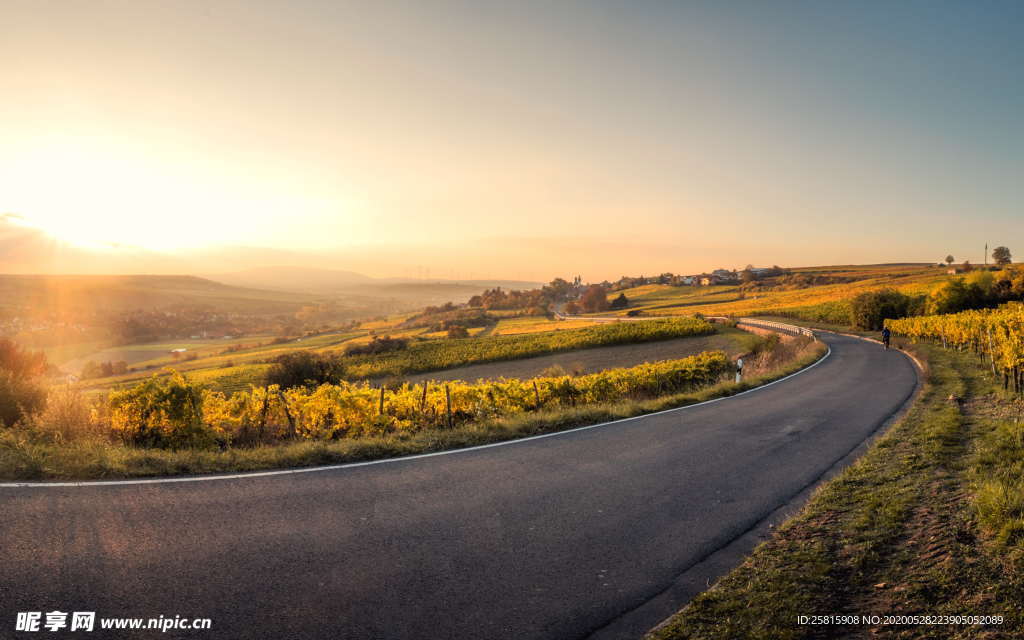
x=927 y=522
x=23 y=458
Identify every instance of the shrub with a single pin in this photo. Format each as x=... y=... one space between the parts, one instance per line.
x=67 y=416
x=19 y=397
x=20 y=392
x=303 y=368
x=554 y=371
x=377 y=345
x=458 y=331
x=869 y=310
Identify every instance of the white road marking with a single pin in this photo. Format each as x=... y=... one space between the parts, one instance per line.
x=352 y=465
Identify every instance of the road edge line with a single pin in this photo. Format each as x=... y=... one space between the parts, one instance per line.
x=366 y=463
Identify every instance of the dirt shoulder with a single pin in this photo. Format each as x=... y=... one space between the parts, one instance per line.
x=897 y=535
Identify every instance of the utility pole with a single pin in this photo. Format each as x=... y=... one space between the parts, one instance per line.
x=986 y=254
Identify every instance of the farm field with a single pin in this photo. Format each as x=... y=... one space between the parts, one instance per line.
x=426 y=351
x=436 y=355
x=157 y=353
x=211 y=363
x=730 y=341
x=535 y=324
x=812 y=302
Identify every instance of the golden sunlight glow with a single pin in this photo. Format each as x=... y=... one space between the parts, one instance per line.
x=95 y=193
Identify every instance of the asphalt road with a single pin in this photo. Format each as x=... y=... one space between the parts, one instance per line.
x=546 y=538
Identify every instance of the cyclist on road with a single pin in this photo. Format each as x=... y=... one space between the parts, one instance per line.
x=886 y=334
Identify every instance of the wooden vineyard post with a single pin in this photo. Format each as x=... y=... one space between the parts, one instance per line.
x=380 y=408
x=263 y=412
x=536 y=393
x=287 y=413
x=448 y=404
x=423 y=398
x=991 y=352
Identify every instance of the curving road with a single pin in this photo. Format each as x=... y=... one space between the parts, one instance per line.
x=553 y=537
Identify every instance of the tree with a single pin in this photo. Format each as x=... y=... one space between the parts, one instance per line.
x=620 y=303
x=18 y=361
x=950 y=259
x=747 y=276
x=594 y=299
x=558 y=289
x=1001 y=256
x=967 y=266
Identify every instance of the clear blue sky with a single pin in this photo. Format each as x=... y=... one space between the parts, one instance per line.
x=520 y=139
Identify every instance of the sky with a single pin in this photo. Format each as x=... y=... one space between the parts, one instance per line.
x=507 y=139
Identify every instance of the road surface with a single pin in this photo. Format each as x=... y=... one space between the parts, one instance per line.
x=546 y=538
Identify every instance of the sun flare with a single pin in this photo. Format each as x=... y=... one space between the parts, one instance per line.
x=94 y=194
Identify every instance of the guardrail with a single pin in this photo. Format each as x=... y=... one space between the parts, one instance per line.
x=780 y=326
x=754 y=322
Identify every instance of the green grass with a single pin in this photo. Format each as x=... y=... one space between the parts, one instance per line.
x=928 y=521
x=24 y=457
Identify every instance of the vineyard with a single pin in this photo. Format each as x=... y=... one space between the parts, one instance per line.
x=435 y=355
x=819 y=303
x=995 y=335
x=171 y=412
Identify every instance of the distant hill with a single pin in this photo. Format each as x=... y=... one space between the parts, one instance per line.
x=45 y=293
x=288 y=278
x=264 y=291
x=332 y=281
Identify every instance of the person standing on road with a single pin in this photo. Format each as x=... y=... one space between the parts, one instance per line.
x=886 y=334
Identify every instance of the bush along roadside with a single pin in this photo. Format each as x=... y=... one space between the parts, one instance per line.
x=38 y=451
x=928 y=522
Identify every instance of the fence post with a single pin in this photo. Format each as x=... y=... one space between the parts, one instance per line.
x=448 y=404
x=263 y=412
x=287 y=413
x=991 y=353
